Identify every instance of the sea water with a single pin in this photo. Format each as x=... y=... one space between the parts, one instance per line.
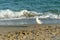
x=49 y=10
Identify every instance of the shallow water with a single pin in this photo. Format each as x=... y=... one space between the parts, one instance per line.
x=30 y=21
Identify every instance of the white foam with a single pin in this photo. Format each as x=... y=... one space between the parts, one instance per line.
x=12 y=14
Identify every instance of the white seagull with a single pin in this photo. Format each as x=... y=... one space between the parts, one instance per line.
x=38 y=21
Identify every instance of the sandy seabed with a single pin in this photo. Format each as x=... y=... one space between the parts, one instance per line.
x=37 y=32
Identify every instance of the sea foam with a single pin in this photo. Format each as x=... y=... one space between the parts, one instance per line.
x=20 y=14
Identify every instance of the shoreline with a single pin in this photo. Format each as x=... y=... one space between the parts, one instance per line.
x=26 y=27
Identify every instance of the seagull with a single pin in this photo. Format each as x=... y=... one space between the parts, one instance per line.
x=38 y=21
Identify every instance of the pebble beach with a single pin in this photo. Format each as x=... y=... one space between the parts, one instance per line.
x=38 y=32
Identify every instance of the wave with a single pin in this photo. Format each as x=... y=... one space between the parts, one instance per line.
x=26 y=14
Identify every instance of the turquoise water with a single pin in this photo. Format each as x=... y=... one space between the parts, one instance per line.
x=39 y=6
x=44 y=8
x=31 y=5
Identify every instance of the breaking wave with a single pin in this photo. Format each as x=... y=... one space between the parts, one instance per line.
x=23 y=14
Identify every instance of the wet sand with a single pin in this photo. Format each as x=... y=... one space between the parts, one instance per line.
x=33 y=32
